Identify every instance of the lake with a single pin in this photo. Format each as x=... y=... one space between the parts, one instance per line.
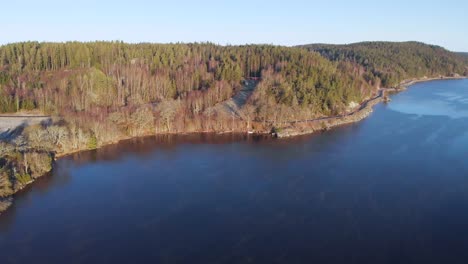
x=390 y=189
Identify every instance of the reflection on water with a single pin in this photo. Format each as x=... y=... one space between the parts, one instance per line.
x=434 y=99
x=145 y=146
x=391 y=189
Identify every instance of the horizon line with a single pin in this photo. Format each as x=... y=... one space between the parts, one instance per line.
x=223 y=44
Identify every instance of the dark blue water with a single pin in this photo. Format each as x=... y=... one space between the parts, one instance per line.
x=390 y=189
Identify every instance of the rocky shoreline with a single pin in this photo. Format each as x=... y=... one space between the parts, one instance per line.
x=309 y=127
x=7 y=201
x=406 y=83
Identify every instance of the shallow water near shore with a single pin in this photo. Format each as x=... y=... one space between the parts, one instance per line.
x=390 y=189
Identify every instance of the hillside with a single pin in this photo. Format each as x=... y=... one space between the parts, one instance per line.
x=106 y=77
x=392 y=62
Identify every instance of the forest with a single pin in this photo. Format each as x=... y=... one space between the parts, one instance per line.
x=173 y=85
x=393 y=62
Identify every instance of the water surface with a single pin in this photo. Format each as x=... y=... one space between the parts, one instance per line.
x=390 y=189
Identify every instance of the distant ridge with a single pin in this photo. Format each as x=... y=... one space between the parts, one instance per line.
x=464 y=55
x=392 y=62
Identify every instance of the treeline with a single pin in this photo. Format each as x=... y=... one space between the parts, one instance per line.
x=392 y=62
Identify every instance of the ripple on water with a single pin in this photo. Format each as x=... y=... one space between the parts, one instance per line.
x=436 y=103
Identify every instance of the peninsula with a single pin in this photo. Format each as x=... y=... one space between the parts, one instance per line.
x=59 y=98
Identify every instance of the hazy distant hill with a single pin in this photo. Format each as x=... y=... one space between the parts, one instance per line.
x=464 y=55
x=392 y=62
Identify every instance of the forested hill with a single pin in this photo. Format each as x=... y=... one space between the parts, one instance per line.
x=110 y=81
x=125 y=89
x=392 y=62
x=464 y=55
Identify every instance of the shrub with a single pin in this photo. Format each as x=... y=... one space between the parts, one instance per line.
x=23 y=179
x=275 y=130
x=39 y=163
x=6 y=188
x=92 y=142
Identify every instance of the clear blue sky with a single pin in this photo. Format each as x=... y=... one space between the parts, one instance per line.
x=286 y=22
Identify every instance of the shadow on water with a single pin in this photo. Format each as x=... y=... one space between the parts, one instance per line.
x=146 y=146
x=41 y=186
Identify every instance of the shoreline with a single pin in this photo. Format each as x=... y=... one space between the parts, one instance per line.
x=117 y=141
x=296 y=128
x=406 y=83
x=365 y=109
x=305 y=127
